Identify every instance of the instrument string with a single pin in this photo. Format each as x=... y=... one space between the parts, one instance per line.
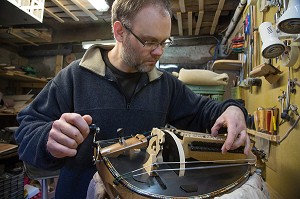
x=116 y=140
x=194 y=168
x=130 y=173
x=208 y=161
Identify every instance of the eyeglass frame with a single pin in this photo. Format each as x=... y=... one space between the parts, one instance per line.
x=153 y=45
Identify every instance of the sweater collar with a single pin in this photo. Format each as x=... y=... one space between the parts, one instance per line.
x=93 y=61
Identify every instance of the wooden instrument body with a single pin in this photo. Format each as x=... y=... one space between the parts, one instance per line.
x=124 y=178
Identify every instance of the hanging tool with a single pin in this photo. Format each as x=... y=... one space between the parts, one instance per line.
x=281 y=99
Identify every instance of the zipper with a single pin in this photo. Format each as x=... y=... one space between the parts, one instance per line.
x=128 y=104
x=144 y=85
x=120 y=90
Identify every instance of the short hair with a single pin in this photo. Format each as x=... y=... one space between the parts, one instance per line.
x=126 y=10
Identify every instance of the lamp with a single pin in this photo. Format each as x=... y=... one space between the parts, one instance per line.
x=289 y=22
x=100 y=5
x=272 y=47
x=87 y=44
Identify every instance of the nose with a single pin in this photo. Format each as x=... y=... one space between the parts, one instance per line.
x=158 y=51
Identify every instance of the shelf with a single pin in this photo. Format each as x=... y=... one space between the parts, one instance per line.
x=227 y=65
x=25 y=12
x=6 y=114
x=272 y=138
x=21 y=77
x=21 y=81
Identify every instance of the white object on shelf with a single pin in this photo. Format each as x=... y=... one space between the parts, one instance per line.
x=18 y=100
x=34 y=8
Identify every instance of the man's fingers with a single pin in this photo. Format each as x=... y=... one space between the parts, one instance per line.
x=88 y=119
x=63 y=139
x=217 y=126
x=81 y=123
x=240 y=140
x=247 y=148
x=231 y=136
x=60 y=151
x=67 y=134
x=68 y=130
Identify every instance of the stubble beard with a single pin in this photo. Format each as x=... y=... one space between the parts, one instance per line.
x=131 y=58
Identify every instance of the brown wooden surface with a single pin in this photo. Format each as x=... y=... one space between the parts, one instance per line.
x=73 y=21
x=12 y=75
x=8 y=150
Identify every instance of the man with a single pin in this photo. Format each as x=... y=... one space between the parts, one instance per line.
x=117 y=88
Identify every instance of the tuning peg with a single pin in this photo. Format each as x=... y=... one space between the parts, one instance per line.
x=120 y=132
x=95 y=130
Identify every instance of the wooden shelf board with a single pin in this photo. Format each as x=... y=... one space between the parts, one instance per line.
x=227 y=65
x=8 y=114
x=272 y=138
x=21 y=77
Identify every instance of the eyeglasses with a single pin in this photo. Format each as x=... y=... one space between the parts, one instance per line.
x=149 y=44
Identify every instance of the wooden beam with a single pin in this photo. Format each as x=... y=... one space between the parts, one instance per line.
x=54 y=15
x=190 y=22
x=29 y=32
x=30 y=85
x=84 y=9
x=215 y=22
x=182 y=6
x=217 y=15
x=11 y=31
x=58 y=63
x=200 y=16
x=179 y=21
x=199 y=22
x=33 y=34
x=201 y=5
x=68 y=12
x=46 y=35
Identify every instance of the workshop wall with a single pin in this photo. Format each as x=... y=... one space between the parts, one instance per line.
x=183 y=56
x=282 y=167
x=195 y=56
x=11 y=58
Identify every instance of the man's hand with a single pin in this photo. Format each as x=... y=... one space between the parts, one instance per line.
x=233 y=119
x=67 y=133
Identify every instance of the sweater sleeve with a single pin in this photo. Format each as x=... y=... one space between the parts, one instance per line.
x=35 y=124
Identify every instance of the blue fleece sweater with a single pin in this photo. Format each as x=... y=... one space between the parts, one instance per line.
x=88 y=87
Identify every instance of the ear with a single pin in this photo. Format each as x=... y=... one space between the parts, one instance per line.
x=118 y=31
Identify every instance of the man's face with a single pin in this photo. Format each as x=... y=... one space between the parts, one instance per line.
x=150 y=25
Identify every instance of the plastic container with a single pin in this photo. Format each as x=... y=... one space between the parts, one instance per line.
x=12 y=185
x=215 y=92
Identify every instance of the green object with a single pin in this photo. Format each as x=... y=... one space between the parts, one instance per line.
x=29 y=71
x=215 y=92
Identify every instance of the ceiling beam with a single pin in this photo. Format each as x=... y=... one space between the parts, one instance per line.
x=11 y=32
x=182 y=6
x=68 y=12
x=84 y=9
x=179 y=21
x=201 y=5
x=216 y=18
x=199 y=22
x=200 y=16
x=190 y=22
x=54 y=15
